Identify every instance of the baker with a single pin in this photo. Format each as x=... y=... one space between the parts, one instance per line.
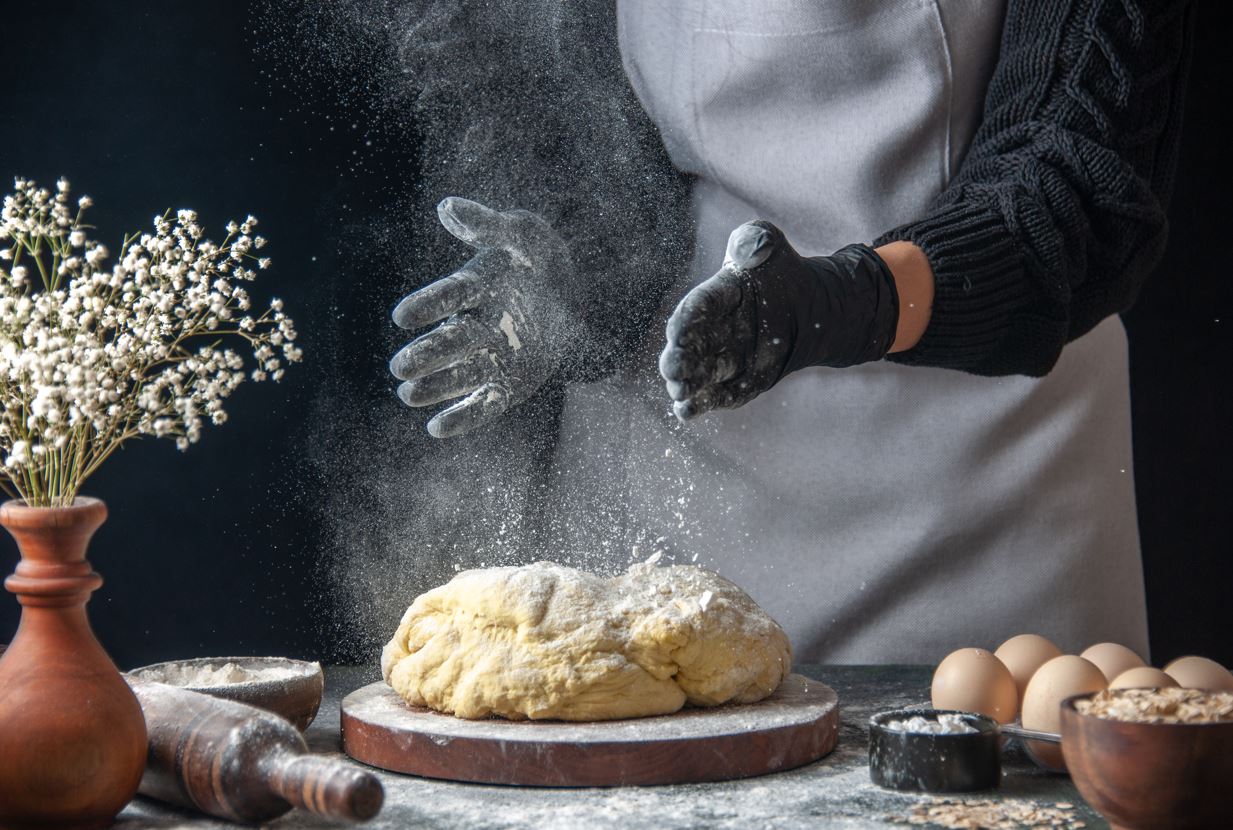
x=911 y=372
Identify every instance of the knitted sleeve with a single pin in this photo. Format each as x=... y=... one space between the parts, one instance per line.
x=1057 y=213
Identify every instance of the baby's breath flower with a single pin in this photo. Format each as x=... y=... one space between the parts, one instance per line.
x=91 y=356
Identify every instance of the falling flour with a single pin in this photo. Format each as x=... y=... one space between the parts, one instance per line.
x=488 y=101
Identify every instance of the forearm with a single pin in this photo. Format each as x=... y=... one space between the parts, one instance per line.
x=914 y=282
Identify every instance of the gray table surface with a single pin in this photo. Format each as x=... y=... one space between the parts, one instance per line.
x=833 y=792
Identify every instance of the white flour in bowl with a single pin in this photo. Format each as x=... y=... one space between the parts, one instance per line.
x=210 y=674
x=946 y=724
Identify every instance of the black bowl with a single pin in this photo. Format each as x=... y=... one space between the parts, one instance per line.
x=935 y=763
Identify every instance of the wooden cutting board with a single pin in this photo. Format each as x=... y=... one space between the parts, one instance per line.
x=796 y=725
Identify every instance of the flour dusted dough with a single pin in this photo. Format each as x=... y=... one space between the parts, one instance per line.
x=546 y=641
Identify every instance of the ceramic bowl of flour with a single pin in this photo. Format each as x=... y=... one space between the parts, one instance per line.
x=291 y=688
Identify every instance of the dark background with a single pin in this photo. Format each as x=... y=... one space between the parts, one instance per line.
x=145 y=105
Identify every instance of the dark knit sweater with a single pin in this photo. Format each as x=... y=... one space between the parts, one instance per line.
x=1058 y=212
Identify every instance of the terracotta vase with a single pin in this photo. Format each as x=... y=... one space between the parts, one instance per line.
x=72 y=737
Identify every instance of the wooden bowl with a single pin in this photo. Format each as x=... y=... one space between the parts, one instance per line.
x=291 y=688
x=1151 y=775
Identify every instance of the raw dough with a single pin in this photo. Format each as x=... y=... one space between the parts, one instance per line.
x=546 y=641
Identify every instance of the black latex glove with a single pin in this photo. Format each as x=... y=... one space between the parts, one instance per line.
x=506 y=327
x=769 y=311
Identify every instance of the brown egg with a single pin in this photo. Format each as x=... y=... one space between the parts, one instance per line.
x=1023 y=655
x=1053 y=682
x=1112 y=659
x=1200 y=673
x=973 y=680
x=1142 y=677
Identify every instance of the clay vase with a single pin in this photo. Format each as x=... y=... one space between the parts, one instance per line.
x=72 y=737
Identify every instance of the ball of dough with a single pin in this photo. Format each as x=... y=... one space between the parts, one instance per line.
x=544 y=641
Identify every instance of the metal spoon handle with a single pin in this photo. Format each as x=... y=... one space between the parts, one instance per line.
x=1031 y=734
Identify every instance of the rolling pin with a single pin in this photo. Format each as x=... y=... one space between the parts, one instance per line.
x=238 y=762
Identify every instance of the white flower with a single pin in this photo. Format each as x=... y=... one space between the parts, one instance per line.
x=103 y=351
x=18 y=455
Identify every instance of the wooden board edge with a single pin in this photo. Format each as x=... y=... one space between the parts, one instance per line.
x=596 y=764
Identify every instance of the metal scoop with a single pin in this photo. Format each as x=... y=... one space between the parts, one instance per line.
x=941 y=763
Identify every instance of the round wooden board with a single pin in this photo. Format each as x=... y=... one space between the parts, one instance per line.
x=796 y=725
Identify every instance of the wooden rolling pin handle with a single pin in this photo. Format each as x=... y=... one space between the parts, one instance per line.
x=237 y=762
x=325 y=786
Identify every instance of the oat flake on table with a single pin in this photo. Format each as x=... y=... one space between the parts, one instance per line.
x=988 y=814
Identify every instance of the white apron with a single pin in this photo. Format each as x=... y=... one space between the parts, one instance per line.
x=881 y=513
